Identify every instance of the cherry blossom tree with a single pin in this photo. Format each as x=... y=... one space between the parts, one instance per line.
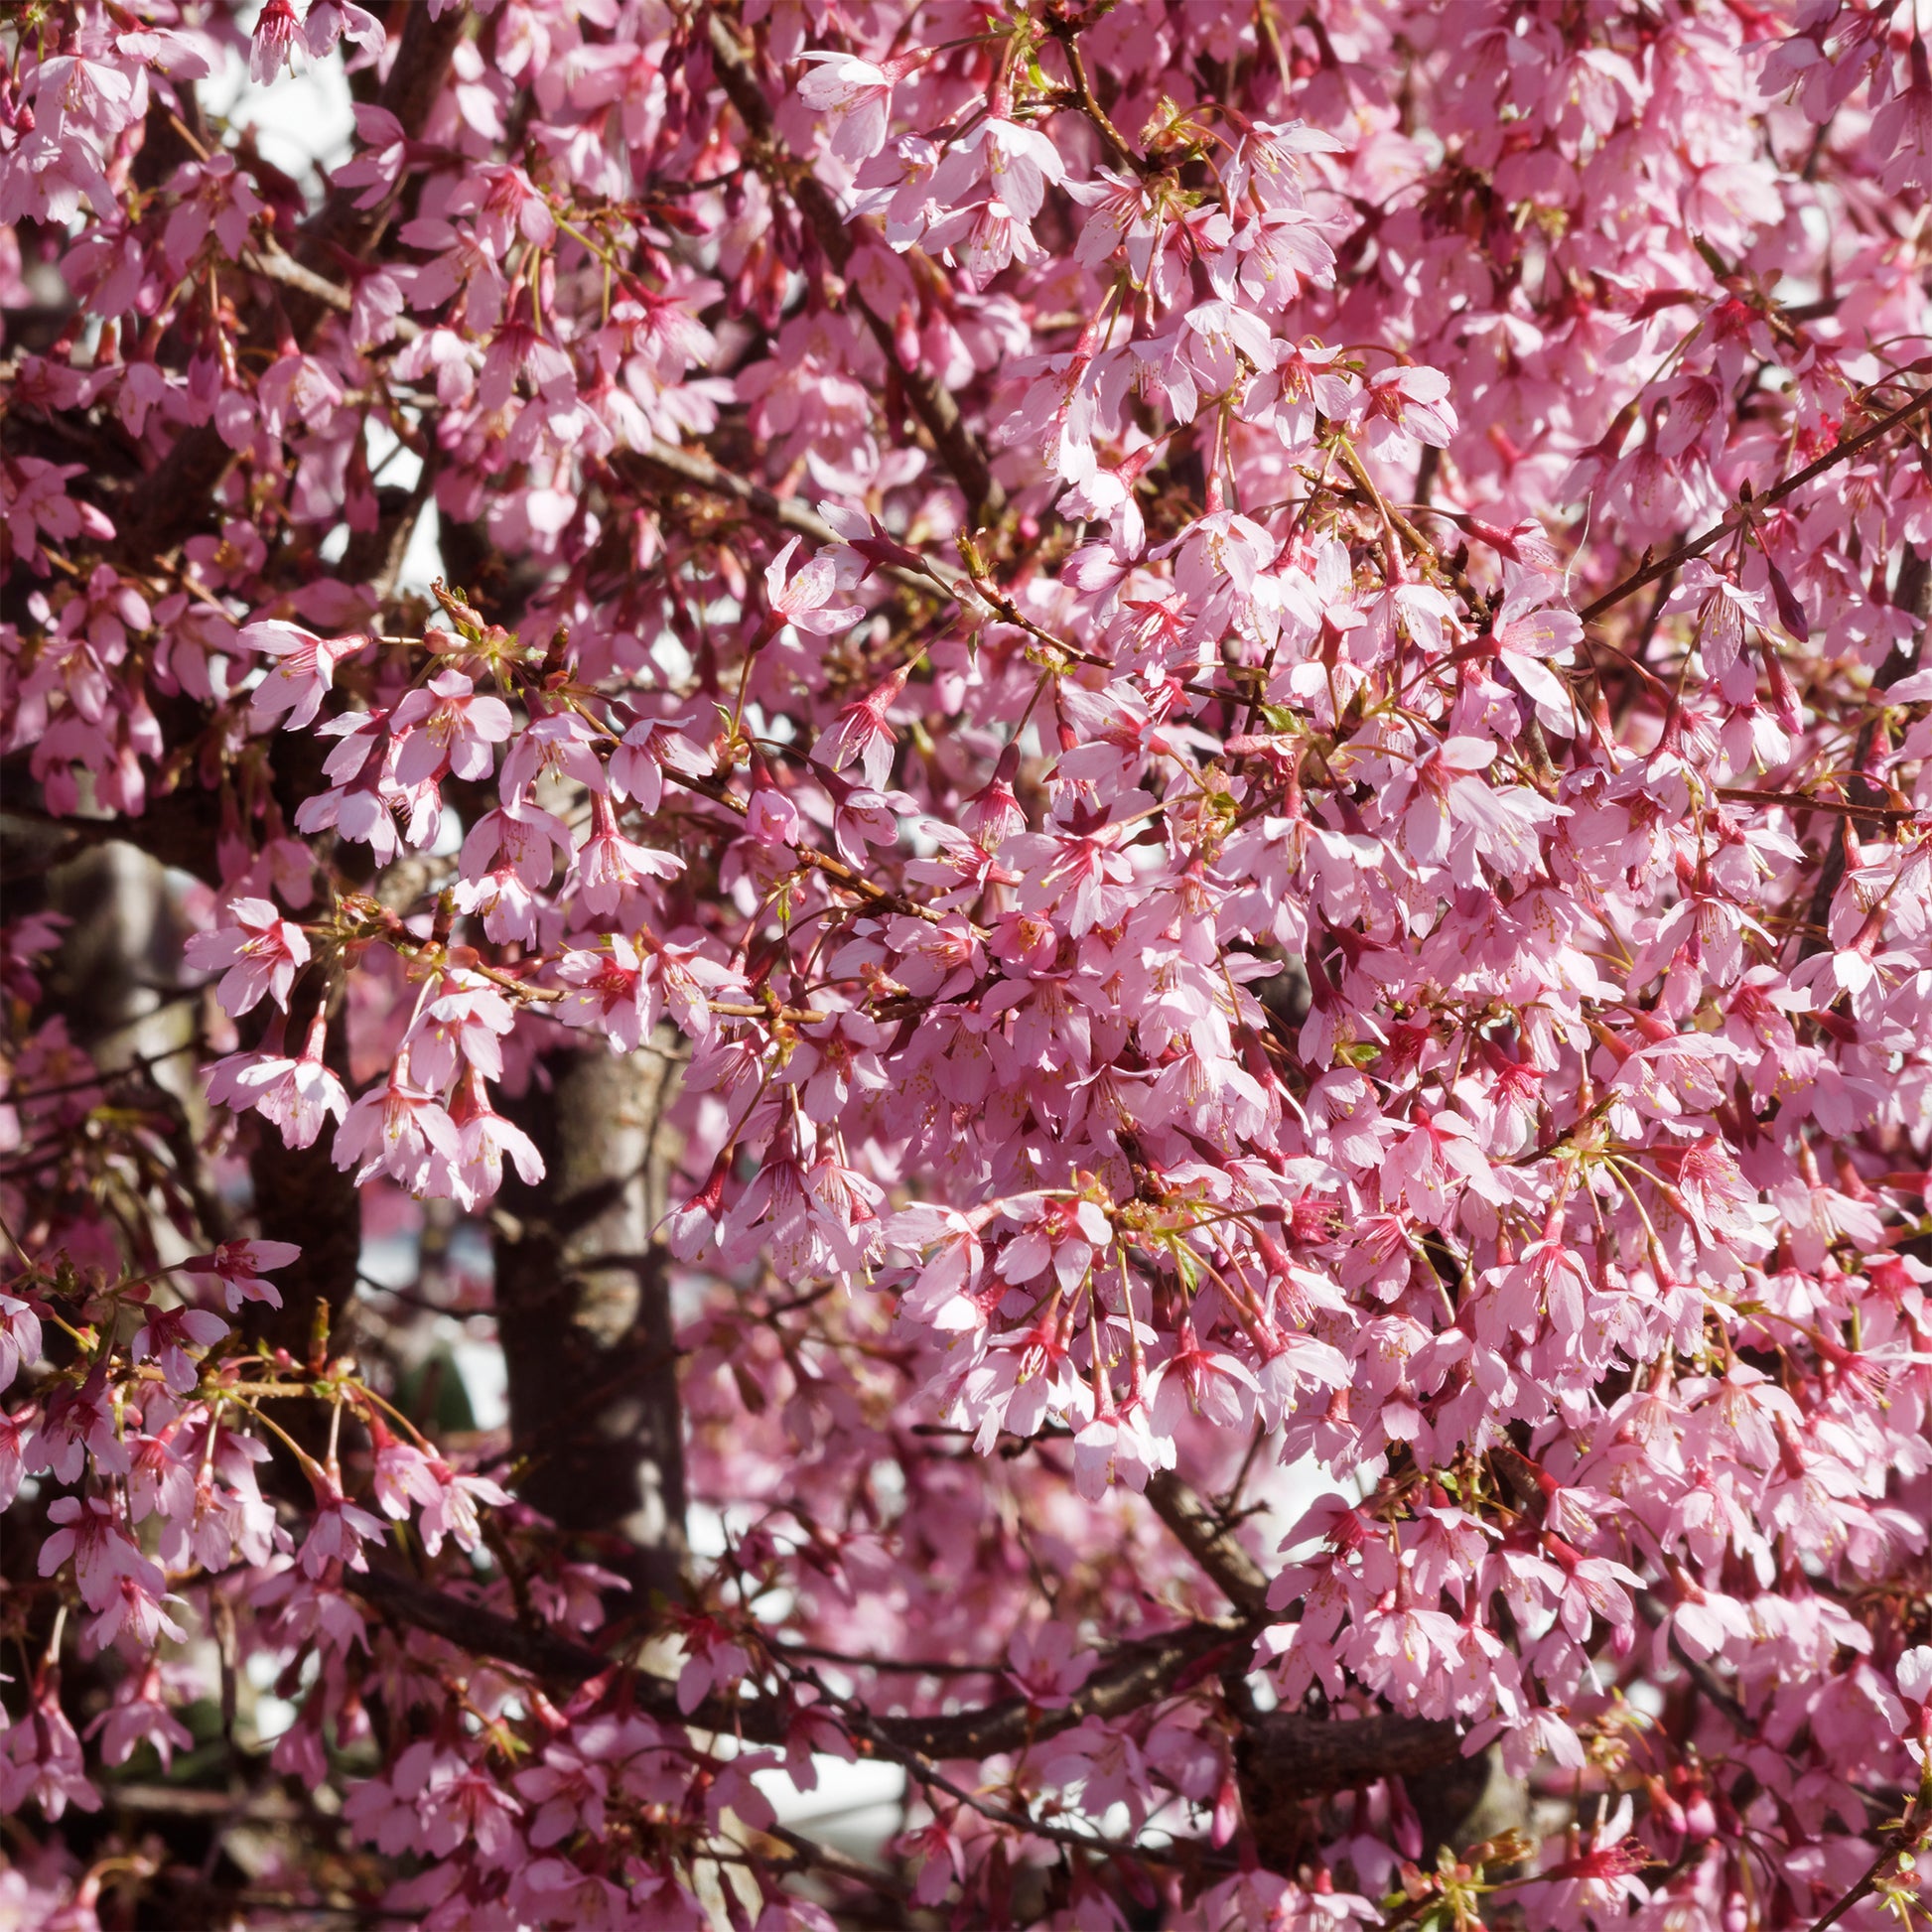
x=1147 y=915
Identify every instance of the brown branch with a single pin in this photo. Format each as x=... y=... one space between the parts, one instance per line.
x=811 y=1854
x=1135 y=1673
x=1801 y=801
x=1901 y=1848
x=1285 y=1756
x=542 y=1653
x=1560 y=1140
x=1664 y=566
x=931 y=1776
x=703 y=472
x=1913 y=593
x=272 y=1807
x=1210 y=1540
x=1068 y=33
x=698 y=470
x=274 y=265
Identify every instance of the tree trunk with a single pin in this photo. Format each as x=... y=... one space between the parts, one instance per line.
x=583 y=1302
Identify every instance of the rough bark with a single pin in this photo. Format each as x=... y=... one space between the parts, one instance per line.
x=583 y=1303
x=1282 y=1757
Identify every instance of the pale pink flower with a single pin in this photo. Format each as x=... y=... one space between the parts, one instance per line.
x=1407 y=402
x=1901 y=130
x=140 y=1715
x=167 y=1332
x=834 y=1059
x=862 y=734
x=487 y=1139
x=403 y=1473
x=451 y=1510
x=41 y=1758
x=20 y=1337
x=399 y=1131
x=857 y=95
x=239 y=1266
x=445 y=726
x=261 y=950
x=336 y=1532
x=297 y=1095
x=568 y=1790
x=647 y=751
x=771 y=818
x=608 y=864
x=805 y=602
x=103 y=1551
x=307 y=670
x=464 y=1027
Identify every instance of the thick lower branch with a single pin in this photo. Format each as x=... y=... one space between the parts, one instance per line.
x=1135 y=1675
x=1283 y=1759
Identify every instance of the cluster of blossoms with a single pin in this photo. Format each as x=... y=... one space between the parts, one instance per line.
x=1234 y=703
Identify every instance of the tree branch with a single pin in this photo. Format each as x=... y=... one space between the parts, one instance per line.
x=1296 y=1756
x=1133 y=1675
x=1210 y=1540
x=469 y=1627
x=1685 y=552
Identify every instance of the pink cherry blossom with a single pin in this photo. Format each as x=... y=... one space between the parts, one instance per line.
x=1026 y=785
x=239 y=1267
x=166 y=1333
x=398 y=1130
x=261 y=950
x=449 y=728
x=855 y=97
x=304 y=674
x=297 y=1095
x=862 y=734
x=804 y=600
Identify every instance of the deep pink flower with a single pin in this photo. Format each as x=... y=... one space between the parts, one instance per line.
x=240 y=1264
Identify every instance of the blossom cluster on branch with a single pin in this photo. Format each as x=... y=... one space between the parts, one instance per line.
x=1239 y=698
